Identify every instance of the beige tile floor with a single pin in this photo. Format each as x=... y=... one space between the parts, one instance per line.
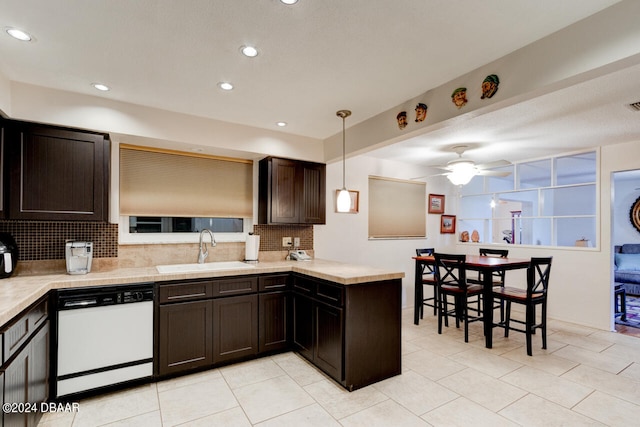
x=585 y=377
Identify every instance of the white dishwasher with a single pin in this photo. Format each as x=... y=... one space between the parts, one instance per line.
x=104 y=337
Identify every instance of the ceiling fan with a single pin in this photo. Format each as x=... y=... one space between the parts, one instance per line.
x=460 y=171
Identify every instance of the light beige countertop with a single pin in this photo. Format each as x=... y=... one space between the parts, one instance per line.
x=18 y=292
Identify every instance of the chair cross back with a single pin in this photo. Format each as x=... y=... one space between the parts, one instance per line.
x=454 y=269
x=502 y=253
x=538 y=276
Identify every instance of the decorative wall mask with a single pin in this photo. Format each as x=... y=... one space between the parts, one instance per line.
x=490 y=86
x=421 y=112
x=402 y=119
x=459 y=97
x=634 y=214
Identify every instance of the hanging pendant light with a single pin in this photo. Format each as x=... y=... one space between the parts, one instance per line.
x=344 y=199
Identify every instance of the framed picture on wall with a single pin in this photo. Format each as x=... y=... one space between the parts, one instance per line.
x=447 y=224
x=436 y=203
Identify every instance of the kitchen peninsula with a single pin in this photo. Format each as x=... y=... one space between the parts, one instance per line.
x=343 y=318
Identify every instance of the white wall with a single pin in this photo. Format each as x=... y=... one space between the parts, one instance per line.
x=5 y=95
x=135 y=124
x=345 y=237
x=581 y=278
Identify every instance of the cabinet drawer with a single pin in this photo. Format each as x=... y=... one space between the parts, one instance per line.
x=329 y=294
x=188 y=291
x=39 y=314
x=235 y=286
x=278 y=282
x=23 y=327
x=304 y=287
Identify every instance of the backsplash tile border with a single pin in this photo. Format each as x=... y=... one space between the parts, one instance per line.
x=45 y=240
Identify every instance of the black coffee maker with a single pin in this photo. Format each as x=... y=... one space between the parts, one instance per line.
x=8 y=255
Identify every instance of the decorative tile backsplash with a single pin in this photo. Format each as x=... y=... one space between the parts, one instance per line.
x=45 y=240
x=271 y=236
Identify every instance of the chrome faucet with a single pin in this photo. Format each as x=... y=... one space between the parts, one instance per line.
x=204 y=252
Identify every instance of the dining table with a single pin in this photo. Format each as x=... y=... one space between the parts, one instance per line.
x=486 y=265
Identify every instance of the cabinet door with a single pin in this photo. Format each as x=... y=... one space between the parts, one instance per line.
x=303 y=325
x=285 y=187
x=185 y=332
x=274 y=321
x=313 y=206
x=16 y=378
x=58 y=174
x=3 y=169
x=328 y=350
x=39 y=371
x=235 y=327
x=291 y=192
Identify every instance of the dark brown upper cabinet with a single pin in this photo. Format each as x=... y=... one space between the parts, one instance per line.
x=57 y=173
x=291 y=192
x=3 y=171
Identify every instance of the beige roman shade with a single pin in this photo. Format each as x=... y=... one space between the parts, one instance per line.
x=171 y=183
x=397 y=208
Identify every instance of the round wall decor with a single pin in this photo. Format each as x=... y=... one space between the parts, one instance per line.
x=634 y=214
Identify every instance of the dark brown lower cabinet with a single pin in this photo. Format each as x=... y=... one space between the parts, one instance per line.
x=274 y=321
x=16 y=378
x=328 y=345
x=185 y=336
x=351 y=332
x=39 y=369
x=235 y=327
x=318 y=334
x=303 y=325
x=26 y=380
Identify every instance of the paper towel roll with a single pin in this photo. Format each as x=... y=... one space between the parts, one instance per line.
x=252 y=247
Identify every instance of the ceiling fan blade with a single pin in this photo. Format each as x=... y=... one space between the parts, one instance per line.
x=492 y=173
x=429 y=176
x=496 y=164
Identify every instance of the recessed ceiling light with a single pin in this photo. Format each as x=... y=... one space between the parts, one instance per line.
x=281 y=124
x=19 y=34
x=100 y=86
x=289 y=1
x=249 y=51
x=225 y=85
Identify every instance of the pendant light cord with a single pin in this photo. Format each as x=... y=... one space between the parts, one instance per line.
x=343 y=156
x=343 y=114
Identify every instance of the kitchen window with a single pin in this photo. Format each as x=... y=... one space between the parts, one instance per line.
x=166 y=195
x=547 y=202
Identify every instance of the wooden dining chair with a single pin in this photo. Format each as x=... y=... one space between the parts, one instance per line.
x=429 y=280
x=498 y=276
x=451 y=276
x=535 y=294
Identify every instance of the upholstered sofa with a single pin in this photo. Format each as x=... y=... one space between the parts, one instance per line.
x=627 y=267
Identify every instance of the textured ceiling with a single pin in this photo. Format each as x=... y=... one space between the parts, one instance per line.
x=315 y=57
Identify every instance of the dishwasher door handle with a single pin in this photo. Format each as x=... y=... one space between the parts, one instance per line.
x=80 y=303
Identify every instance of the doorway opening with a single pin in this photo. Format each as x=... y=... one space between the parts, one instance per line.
x=625 y=241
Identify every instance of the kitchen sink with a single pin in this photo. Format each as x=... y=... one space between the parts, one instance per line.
x=209 y=266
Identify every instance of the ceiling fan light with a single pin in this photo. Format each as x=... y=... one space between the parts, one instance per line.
x=343 y=204
x=461 y=173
